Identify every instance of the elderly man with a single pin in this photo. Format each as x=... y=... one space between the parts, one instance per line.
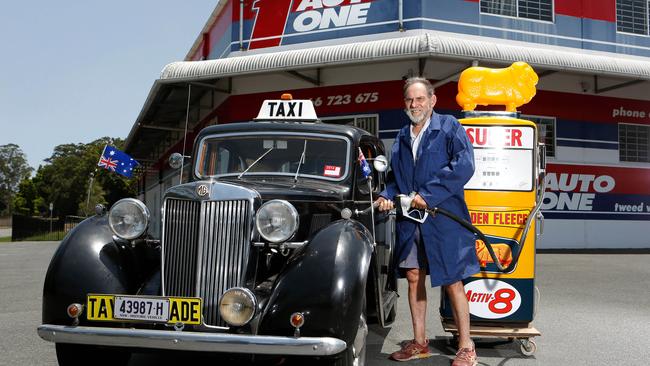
x=432 y=159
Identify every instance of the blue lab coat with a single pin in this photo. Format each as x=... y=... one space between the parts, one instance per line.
x=445 y=162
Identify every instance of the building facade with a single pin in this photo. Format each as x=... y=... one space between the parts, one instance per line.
x=351 y=56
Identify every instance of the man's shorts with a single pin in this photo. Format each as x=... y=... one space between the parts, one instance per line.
x=417 y=257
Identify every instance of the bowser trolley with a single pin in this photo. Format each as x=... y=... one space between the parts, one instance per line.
x=504 y=197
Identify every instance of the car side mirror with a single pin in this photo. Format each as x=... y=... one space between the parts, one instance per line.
x=176 y=160
x=380 y=163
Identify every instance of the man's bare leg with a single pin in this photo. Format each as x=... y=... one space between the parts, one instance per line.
x=460 y=308
x=417 y=296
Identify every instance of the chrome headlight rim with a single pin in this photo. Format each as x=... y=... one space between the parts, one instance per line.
x=253 y=305
x=144 y=211
x=293 y=213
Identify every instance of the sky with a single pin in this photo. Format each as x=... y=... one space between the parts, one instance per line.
x=73 y=71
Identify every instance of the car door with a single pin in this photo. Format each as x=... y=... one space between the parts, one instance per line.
x=382 y=277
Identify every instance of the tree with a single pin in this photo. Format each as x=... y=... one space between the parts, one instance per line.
x=13 y=169
x=64 y=182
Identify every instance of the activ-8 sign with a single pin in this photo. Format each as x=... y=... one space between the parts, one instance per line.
x=492 y=299
x=503 y=157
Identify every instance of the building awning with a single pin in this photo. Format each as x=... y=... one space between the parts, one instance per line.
x=430 y=44
x=167 y=96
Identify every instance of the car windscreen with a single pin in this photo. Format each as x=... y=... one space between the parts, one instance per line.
x=304 y=155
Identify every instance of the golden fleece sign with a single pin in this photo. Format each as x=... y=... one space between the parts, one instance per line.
x=512 y=86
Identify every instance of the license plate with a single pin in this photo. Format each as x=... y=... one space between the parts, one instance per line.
x=155 y=309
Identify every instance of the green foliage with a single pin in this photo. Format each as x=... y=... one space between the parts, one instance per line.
x=64 y=182
x=13 y=169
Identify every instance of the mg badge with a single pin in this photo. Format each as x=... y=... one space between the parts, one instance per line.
x=202 y=190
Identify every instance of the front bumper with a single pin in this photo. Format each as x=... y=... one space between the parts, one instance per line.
x=192 y=341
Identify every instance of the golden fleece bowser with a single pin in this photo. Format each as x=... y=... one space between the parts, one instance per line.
x=503 y=196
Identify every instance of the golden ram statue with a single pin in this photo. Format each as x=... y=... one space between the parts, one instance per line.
x=512 y=86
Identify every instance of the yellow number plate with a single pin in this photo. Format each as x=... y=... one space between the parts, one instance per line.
x=157 y=309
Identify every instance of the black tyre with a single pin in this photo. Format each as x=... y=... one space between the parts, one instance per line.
x=83 y=355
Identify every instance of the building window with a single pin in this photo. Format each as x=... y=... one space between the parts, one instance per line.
x=369 y=123
x=546 y=131
x=633 y=143
x=528 y=9
x=632 y=16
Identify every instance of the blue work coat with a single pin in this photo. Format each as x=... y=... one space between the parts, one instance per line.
x=445 y=162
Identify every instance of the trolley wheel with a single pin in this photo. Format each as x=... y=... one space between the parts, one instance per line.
x=528 y=346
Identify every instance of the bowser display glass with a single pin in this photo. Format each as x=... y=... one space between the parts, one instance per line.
x=503 y=157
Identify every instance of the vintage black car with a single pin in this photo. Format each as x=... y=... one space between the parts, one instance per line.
x=270 y=250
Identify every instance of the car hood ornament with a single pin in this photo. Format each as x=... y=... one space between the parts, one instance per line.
x=202 y=190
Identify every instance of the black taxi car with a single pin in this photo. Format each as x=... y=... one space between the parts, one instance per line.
x=272 y=248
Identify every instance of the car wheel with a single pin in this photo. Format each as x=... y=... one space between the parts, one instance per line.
x=83 y=355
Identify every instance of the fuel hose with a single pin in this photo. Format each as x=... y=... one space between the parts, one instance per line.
x=473 y=229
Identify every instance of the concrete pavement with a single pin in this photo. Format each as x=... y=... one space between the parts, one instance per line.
x=594 y=310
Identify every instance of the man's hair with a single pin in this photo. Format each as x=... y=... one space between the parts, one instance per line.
x=417 y=79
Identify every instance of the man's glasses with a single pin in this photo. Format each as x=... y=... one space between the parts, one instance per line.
x=418 y=100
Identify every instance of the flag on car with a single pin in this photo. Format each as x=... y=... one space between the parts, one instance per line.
x=117 y=161
x=365 y=167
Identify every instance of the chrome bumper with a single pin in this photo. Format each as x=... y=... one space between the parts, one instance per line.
x=192 y=341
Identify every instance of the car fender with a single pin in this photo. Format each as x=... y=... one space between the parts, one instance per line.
x=325 y=281
x=86 y=261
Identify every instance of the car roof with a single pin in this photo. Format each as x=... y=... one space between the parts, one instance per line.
x=354 y=133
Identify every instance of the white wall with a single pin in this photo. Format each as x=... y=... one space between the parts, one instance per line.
x=594 y=234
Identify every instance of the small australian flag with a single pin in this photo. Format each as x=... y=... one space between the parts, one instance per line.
x=117 y=161
x=363 y=163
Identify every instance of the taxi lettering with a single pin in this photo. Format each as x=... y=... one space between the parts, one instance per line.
x=100 y=307
x=285 y=109
x=182 y=311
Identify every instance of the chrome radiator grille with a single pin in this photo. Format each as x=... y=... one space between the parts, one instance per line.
x=205 y=249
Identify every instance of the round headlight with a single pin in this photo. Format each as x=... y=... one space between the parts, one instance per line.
x=128 y=218
x=277 y=221
x=237 y=306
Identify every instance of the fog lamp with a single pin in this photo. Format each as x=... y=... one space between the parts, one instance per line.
x=237 y=306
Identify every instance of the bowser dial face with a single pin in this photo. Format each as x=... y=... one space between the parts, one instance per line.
x=503 y=157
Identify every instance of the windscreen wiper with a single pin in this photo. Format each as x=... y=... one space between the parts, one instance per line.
x=255 y=162
x=301 y=161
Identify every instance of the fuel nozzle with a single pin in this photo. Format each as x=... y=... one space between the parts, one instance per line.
x=403 y=203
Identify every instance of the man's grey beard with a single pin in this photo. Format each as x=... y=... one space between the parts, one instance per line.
x=416 y=120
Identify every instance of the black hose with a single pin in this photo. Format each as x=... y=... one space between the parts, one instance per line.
x=473 y=229
x=481 y=236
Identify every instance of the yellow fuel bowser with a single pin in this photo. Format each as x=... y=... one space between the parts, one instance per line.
x=503 y=196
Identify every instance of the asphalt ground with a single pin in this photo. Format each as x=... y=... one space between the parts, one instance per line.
x=594 y=309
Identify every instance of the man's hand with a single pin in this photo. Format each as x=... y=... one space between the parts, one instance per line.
x=419 y=202
x=384 y=204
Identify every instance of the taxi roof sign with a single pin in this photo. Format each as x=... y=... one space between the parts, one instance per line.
x=287 y=110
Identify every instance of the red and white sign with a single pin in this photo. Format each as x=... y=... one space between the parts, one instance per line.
x=500 y=136
x=492 y=299
x=273 y=19
x=503 y=157
x=332 y=171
